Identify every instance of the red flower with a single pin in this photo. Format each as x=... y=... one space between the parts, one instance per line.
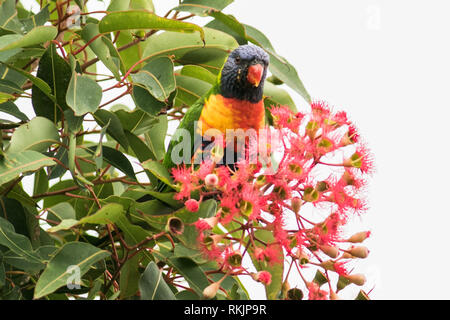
x=315 y=293
x=192 y=205
x=263 y=277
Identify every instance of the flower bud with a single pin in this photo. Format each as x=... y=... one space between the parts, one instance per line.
x=330 y=251
x=358 y=279
x=334 y=296
x=359 y=252
x=262 y=276
x=211 y=180
x=296 y=204
x=210 y=291
x=192 y=205
x=359 y=237
x=212 y=221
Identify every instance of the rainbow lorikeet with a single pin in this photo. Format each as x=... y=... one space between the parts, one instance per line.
x=234 y=102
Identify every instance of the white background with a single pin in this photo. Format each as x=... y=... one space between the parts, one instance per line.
x=387 y=64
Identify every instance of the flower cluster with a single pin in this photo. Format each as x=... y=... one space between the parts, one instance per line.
x=292 y=211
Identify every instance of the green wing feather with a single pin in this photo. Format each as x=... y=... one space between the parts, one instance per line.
x=187 y=123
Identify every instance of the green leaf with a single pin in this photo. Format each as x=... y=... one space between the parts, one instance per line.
x=115 y=129
x=278 y=65
x=140 y=19
x=37 y=135
x=17 y=193
x=152 y=285
x=17 y=243
x=83 y=94
x=157 y=78
x=2 y=275
x=57 y=273
x=191 y=272
x=22 y=263
x=10 y=108
x=190 y=89
x=188 y=49
x=129 y=278
x=37 y=35
x=13 y=164
x=56 y=72
x=109 y=213
x=140 y=149
x=61 y=211
x=287 y=73
x=166 y=197
x=158 y=169
x=63 y=156
x=155 y=137
x=37 y=20
x=40 y=182
x=5 y=41
x=189 y=237
x=136 y=121
x=199 y=73
x=116 y=159
x=8 y=16
x=146 y=102
x=103 y=48
x=202 y=7
x=37 y=82
x=5 y=97
x=276 y=96
x=7 y=86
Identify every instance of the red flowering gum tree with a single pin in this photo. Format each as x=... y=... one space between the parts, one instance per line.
x=292 y=215
x=87 y=93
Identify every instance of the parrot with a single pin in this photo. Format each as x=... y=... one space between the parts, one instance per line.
x=234 y=101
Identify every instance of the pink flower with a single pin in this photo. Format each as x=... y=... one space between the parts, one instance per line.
x=315 y=293
x=263 y=277
x=192 y=205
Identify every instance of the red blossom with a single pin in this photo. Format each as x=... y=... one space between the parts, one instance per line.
x=274 y=214
x=192 y=205
x=264 y=277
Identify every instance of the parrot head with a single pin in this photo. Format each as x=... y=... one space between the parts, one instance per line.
x=244 y=73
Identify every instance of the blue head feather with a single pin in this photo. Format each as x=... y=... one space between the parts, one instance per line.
x=234 y=83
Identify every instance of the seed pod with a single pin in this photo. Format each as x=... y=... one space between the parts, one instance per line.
x=359 y=252
x=359 y=237
x=358 y=279
x=330 y=251
x=210 y=291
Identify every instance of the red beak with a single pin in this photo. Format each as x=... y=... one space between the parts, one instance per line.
x=254 y=74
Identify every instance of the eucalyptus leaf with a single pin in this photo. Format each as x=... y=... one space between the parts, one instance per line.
x=152 y=285
x=83 y=94
x=70 y=258
x=36 y=135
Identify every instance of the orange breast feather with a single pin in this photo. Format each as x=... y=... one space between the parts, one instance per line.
x=227 y=113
